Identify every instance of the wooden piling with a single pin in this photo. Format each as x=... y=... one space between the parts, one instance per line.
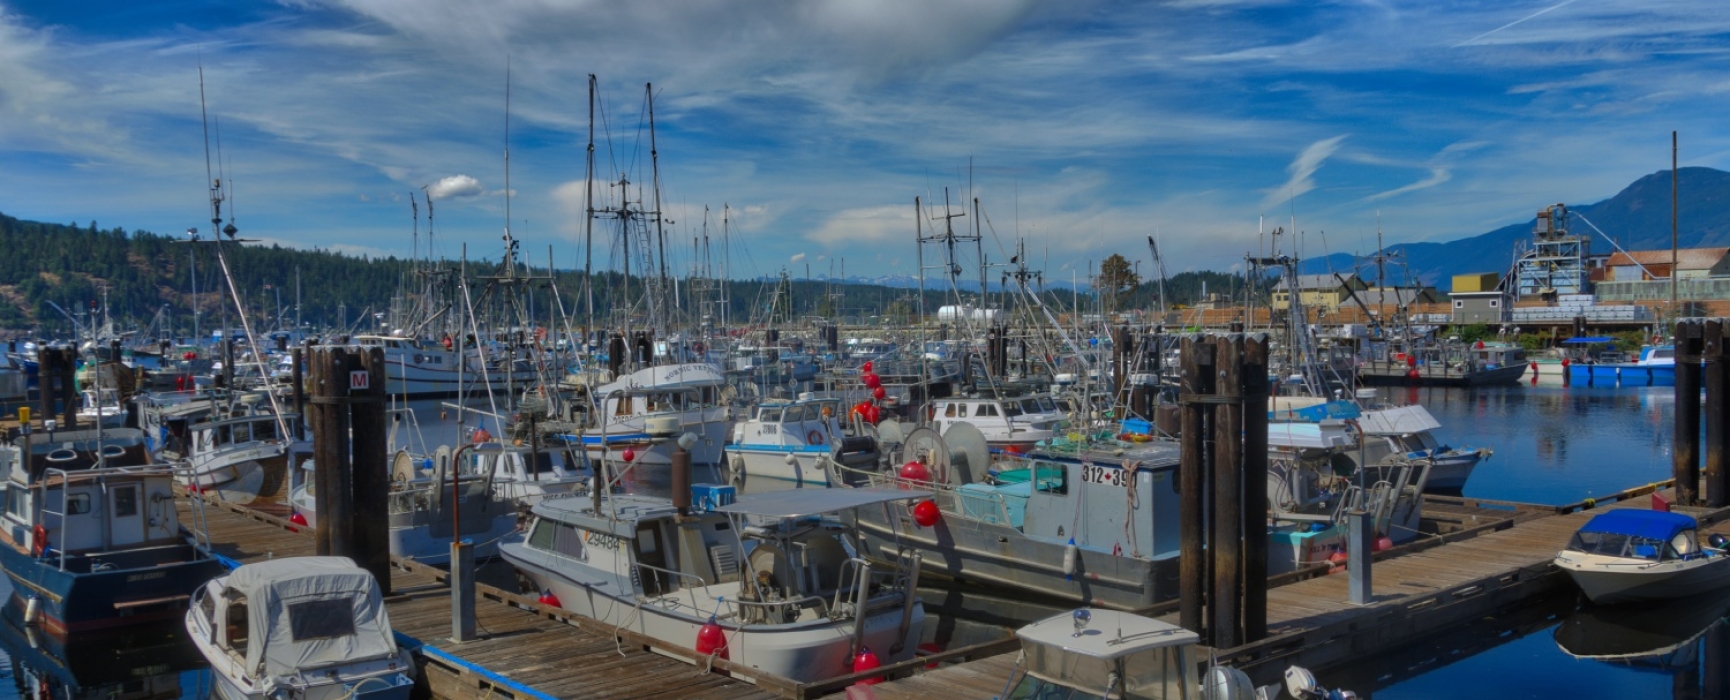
x=1255 y=540
x=1225 y=540
x=1685 y=465
x=370 y=468
x=299 y=388
x=67 y=369
x=1717 y=384
x=1196 y=374
x=329 y=417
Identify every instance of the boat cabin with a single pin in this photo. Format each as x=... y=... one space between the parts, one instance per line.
x=83 y=494
x=1011 y=421
x=1638 y=534
x=802 y=423
x=1085 y=496
x=1106 y=654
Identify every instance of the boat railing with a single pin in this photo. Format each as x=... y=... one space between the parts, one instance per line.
x=680 y=576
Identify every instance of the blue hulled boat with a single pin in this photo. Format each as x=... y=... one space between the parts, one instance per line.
x=90 y=537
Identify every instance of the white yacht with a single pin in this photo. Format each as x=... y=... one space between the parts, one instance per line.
x=641 y=412
x=1014 y=424
x=300 y=628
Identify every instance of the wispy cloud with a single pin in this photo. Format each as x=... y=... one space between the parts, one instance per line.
x=1302 y=171
x=1516 y=22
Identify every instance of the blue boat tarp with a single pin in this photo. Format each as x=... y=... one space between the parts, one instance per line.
x=1589 y=340
x=1649 y=524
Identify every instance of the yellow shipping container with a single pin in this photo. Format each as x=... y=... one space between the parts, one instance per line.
x=1476 y=282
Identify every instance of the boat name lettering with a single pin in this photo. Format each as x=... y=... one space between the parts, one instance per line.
x=599 y=539
x=146 y=576
x=1102 y=475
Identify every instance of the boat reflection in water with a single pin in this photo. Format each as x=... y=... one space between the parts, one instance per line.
x=136 y=663
x=1688 y=638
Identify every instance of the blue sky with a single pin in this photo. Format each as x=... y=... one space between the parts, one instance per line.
x=1086 y=125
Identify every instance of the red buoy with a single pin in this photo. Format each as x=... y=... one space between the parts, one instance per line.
x=879 y=393
x=297 y=519
x=481 y=435
x=914 y=471
x=1412 y=374
x=712 y=639
x=1338 y=559
x=873 y=414
x=629 y=455
x=1384 y=543
x=866 y=368
x=547 y=598
x=866 y=661
x=926 y=513
x=872 y=382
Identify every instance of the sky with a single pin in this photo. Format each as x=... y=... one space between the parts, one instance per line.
x=1081 y=127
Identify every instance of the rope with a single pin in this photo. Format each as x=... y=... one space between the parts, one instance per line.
x=1130 y=467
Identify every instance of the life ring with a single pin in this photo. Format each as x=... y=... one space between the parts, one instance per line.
x=814 y=438
x=39 y=540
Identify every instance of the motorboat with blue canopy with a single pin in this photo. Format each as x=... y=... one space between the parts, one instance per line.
x=1630 y=555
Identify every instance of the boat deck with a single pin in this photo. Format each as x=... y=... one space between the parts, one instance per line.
x=525 y=650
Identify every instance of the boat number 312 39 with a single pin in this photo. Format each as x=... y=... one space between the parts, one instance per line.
x=1102 y=475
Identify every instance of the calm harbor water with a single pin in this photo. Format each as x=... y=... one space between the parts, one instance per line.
x=1552 y=445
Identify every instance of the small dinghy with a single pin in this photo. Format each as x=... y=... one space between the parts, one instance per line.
x=300 y=628
x=1627 y=556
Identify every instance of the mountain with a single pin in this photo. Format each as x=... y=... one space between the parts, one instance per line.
x=1637 y=218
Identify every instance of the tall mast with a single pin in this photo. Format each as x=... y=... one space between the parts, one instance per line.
x=589 y=209
x=655 y=183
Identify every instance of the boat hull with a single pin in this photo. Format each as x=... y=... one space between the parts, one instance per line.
x=145 y=585
x=1614 y=581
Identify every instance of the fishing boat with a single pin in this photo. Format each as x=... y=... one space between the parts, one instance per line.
x=640 y=413
x=91 y=537
x=429 y=507
x=1014 y=424
x=1097 y=528
x=242 y=453
x=421 y=370
x=306 y=628
x=1120 y=655
x=1595 y=361
x=1628 y=555
x=795 y=444
x=773 y=581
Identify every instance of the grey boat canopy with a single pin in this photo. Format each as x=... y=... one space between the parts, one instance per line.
x=309 y=613
x=798 y=503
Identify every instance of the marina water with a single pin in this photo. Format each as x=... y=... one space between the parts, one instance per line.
x=1553 y=445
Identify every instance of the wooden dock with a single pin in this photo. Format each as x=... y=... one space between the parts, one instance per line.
x=1418 y=595
x=526 y=650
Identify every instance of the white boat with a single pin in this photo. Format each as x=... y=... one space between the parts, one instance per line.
x=1404 y=435
x=418 y=370
x=1122 y=656
x=306 y=628
x=1015 y=424
x=1629 y=555
x=243 y=453
x=795 y=444
x=642 y=411
x=771 y=574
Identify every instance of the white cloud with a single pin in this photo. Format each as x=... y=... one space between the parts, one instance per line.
x=455 y=187
x=866 y=226
x=797 y=258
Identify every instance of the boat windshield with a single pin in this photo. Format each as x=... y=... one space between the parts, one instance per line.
x=1612 y=544
x=1033 y=688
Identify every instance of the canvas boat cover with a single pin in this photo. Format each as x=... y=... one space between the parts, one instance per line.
x=309 y=613
x=1649 y=524
x=1403 y=420
x=681 y=376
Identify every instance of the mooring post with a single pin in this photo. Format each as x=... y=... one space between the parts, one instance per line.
x=1196 y=374
x=1717 y=392
x=46 y=358
x=1685 y=465
x=462 y=589
x=680 y=468
x=371 y=464
x=1358 y=550
x=1226 y=538
x=299 y=378
x=1255 y=541
x=68 y=371
x=330 y=449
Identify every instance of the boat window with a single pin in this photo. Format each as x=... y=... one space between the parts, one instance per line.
x=1051 y=478
x=795 y=414
x=223 y=435
x=264 y=430
x=543 y=462
x=207 y=610
x=321 y=619
x=78 y=504
x=126 y=502
x=570 y=542
x=769 y=415
x=242 y=433
x=543 y=535
x=622 y=405
x=237 y=623
x=949 y=410
x=16 y=503
x=988 y=409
